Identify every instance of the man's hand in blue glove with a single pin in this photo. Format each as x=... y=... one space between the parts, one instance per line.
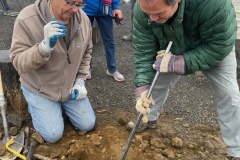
x=167 y=62
x=79 y=91
x=52 y=31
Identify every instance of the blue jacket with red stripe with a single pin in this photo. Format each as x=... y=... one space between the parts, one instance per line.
x=95 y=7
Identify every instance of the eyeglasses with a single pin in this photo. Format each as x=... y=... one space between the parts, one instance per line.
x=80 y=5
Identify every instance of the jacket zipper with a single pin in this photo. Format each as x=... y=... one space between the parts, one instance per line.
x=68 y=57
x=178 y=48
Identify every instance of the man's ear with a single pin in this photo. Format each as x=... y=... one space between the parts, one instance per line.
x=178 y=1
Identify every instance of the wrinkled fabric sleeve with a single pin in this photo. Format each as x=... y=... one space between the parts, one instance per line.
x=145 y=47
x=85 y=63
x=217 y=28
x=24 y=55
x=115 y=4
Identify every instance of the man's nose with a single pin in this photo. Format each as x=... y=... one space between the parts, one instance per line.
x=153 y=17
x=75 y=9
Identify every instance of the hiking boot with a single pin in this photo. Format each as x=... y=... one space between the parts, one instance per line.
x=142 y=126
x=117 y=76
x=89 y=75
x=232 y=158
x=127 y=37
x=10 y=13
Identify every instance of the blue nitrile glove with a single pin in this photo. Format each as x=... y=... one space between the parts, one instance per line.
x=52 y=31
x=79 y=91
x=167 y=62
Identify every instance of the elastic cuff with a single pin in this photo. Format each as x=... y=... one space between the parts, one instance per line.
x=45 y=48
x=79 y=81
x=140 y=89
x=179 y=65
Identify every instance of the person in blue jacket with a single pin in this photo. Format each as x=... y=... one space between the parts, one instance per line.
x=103 y=11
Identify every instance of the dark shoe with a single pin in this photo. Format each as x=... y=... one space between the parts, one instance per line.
x=232 y=158
x=142 y=126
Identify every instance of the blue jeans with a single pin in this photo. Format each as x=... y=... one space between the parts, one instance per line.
x=105 y=25
x=224 y=79
x=47 y=115
x=5 y=5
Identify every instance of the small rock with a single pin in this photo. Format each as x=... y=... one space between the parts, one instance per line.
x=192 y=145
x=169 y=153
x=56 y=153
x=36 y=136
x=1 y=135
x=158 y=157
x=81 y=133
x=157 y=142
x=202 y=155
x=82 y=154
x=146 y=136
x=2 y=148
x=158 y=150
x=104 y=150
x=139 y=139
x=208 y=145
x=71 y=133
x=95 y=140
x=177 y=142
x=143 y=146
x=15 y=119
x=121 y=120
x=178 y=119
x=13 y=131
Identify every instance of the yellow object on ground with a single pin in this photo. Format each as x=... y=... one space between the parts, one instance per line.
x=10 y=142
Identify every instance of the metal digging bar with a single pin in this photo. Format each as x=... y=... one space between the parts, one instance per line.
x=140 y=115
x=17 y=143
x=3 y=112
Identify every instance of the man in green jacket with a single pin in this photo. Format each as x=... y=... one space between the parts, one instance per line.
x=203 y=33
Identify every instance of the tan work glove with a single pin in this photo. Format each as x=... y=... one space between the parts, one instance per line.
x=143 y=105
x=167 y=62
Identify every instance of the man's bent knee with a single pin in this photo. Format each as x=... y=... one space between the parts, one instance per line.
x=88 y=126
x=52 y=137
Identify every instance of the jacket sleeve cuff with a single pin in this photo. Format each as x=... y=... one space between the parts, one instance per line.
x=140 y=89
x=179 y=65
x=45 y=53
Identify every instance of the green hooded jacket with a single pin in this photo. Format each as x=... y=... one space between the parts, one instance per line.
x=203 y=31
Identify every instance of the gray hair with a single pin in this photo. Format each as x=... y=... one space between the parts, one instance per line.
x=168 y=2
